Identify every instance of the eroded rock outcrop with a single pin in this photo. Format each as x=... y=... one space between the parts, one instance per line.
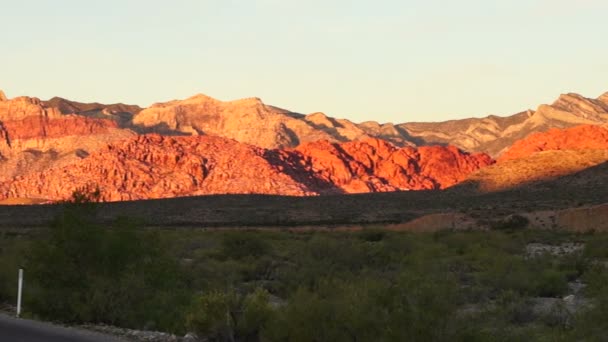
x=154 y=166
x=247 y=120
x=372 y=165
x=582 y=137
x=34 y=137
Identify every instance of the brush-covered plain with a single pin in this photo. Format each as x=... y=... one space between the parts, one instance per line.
x=321 y=285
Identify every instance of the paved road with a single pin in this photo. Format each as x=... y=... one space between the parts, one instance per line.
x=22 y=330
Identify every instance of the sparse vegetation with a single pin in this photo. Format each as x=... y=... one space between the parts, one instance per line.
x=318 y=285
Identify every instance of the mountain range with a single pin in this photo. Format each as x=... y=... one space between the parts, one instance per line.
x=202 y=145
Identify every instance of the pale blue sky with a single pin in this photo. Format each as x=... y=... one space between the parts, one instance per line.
x=385 y=60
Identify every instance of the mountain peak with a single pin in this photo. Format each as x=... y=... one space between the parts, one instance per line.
x=252 y=101
x=603 y=98
x=579 y=105
x=2 y=96
x=200 y=97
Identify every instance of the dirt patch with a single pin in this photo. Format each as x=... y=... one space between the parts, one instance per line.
x=435 y=222
x=584 y=219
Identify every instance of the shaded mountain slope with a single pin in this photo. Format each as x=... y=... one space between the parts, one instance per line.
x=119 y=112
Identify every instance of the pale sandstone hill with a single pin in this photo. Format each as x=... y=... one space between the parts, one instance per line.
x=253 y=122
x=154 y=166
x=246 y=120
x=34 y=137
x=495 y=134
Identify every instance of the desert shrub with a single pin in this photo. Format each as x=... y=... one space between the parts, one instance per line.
x=372 y=234
x=597 y=247
x=591 y=323
x=83 y=272
x=416 y=306
x=558 y=316
x=550 y=283
x=85 y=195
x=229 y=316
x=515 y=308
x=335 y=311
x=511 y=222
x=238 y=245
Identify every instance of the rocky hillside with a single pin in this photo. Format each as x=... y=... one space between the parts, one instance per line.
x=558 y=155
x=119 y=112
x=253 y=122
x=536 y=169
x=35 y=137
x=155 y=166
x=247 y=120
x=494 y=134
x=584 y=137
x=208 y=146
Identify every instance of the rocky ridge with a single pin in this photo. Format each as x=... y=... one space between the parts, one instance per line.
x=253 y=122
x=155 y=166
x=35 y=137
x=47 y=144
x=584 y=137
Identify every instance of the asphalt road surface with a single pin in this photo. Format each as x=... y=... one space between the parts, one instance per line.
x=23 y=330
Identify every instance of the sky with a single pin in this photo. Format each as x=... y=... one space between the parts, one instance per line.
x=382 y=60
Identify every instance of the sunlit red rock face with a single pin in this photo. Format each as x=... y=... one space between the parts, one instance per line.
x=154 y=166
x=584 y=137
x=567 y=157
x=34 y=137
x=372 y=165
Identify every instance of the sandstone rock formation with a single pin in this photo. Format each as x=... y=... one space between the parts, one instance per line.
x=541 y=171
x=34 y=137
x=246 y=120
x=373 y=165
x=582 y=137
x=49 y=148
x=557 y=157
x=121 y=113
x=253 y=122
x=495 y=134
x=154 y=166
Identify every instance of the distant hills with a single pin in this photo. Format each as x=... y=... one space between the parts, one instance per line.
x=202 y=145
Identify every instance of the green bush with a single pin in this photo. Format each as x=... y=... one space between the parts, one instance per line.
x=416 y=307
x=551 y=283
x=239 y=245
x=228 y=316
x=83 y=272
